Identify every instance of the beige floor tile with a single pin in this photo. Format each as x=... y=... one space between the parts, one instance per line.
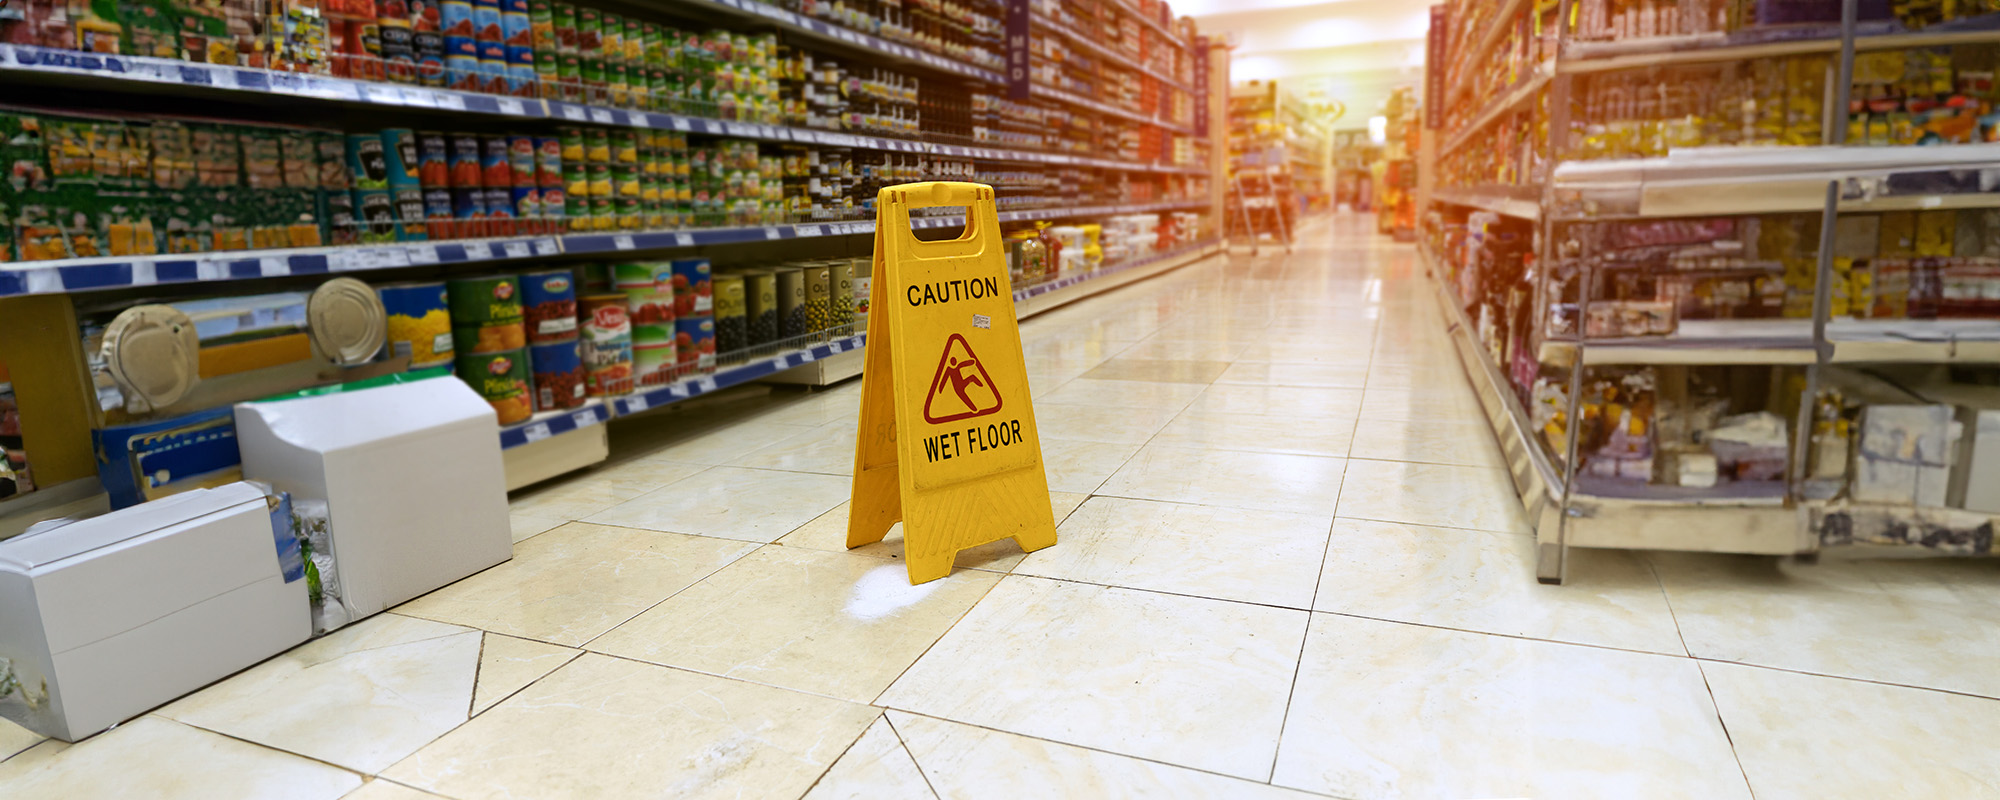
x=606 y=728
x=1138 y=369
x=1094 y=423
x=1270 y=481
x=1298 y=402
x=828 y=450
x=1432 y=494
x=1465 y=443
x=1189 y=681
x=573 y=583
x=585 y=493
x=507 y=664
x=968 y=763
x=752 y=505
x=1484 y=581
x=875 y=768
x=1121 y=394
x=1354 y=351
x=1258 y=433
x=1265 y=557
x=14 y=739
x=828 y=532
x=811 y=410
x=1082 y=350
x=1263 y=373
x=1386 y=710
x=362 y=697
x=1429 y=403
x=1929 y=624
x=1796 y=736
x=1081 y=467
x=1184 y=350
x=160 y=759
x=382 y=789
x=523 y=526
x=835 y=624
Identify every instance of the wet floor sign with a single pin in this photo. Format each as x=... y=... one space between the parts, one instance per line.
x=947 y=440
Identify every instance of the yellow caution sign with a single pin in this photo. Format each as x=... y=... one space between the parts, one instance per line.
x=947 y=441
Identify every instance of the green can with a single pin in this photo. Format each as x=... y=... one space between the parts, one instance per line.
x=624 y=144
x=501 y=379
x=484 y=300
x=653 y=353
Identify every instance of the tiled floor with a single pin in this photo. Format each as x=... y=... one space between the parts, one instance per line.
x=1290 y=565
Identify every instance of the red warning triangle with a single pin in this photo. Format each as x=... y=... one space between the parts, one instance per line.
x=961 y=389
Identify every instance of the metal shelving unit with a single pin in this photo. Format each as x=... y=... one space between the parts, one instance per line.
x=1561 y=202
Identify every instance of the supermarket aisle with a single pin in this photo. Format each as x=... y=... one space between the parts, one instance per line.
x=1289 y=561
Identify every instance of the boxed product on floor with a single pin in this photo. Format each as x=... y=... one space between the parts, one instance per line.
x=1905 y=456
x=411 y=476
x=106 y=618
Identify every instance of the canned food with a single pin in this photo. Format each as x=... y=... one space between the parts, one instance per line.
x=653 y=358
x=485 y=299
x=605 y=344
x=693 y=289
x=558 y=375
x=501 y=379
x=419 y=322
x=694 y=344
x=490 y=337
x=549 y=305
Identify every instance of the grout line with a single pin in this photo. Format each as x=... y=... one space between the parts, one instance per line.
x=1726 y=735
x=928 y=783
x=843 y=754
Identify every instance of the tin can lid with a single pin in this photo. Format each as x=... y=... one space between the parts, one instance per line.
x=153 y=354
x=346 y=321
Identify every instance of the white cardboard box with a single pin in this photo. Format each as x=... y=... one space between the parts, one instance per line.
x=109 y=617
x=411 y=475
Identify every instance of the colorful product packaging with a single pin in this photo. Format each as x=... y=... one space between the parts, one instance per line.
x=694 y=344
x=419 y=323
x=694 y=292
x=731 y=315
x=605 y=344
x=653 y=357
x=549 y=305
x=557 y=370
x=501 y=379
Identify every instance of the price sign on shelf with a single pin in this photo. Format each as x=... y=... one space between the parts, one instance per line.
x=546 y=247
x=684 y=240
x=381 y=93
x=517 y=249
x=512 y=107
x=602 y=116
x=680 y=124
x=450 y=101
x=635 y=404
x=574 y=113
x=536 y=432
x=584 y=418
x=623 y=242
x=771 y=233
x=833 y=346
x=272 y=266
x=810 y=230
x=423 y=254
x=705 y=383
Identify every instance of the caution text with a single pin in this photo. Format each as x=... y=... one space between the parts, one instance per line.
x=925 y=294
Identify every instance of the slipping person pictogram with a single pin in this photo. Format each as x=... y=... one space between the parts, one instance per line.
x=961 y=389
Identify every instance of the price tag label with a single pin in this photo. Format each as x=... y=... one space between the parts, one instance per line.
x=705 y=383
x=810 y=230
x=680 y=124
x=684 y=240
x=450 y=101
x=636 y=403
x=771 y=233
x=420 y=98
x=602 y=116
x=536 y=432
x=584 y=418
x=423 y=254
x=622 y=242
x=478 y=251
x=806 y=356
x=781 y=362
x=678 y=390
x=638 y=119
x=518 y=249
x=272 y=266
x=513 y=107
x=547 y=247
x=337 y=261
x=386 y=95
x=574 y=113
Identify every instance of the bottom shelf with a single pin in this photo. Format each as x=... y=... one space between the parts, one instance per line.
x=568 y=438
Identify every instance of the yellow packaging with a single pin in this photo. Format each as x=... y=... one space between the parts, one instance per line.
x=1935 y=231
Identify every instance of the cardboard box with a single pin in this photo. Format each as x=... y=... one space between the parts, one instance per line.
x=115 y=615
x=1975 y=479
x=411 y=475
x=1905 y=455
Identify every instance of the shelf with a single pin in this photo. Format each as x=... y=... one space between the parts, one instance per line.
x=1522 y=91
x=1582 y=57
x=554 y=423
x=122 y=272
x=206 y=78
x=1499 y=26
x=1161 y=30
x=1495 y=199
x=1100 y=51
x=639 y=402
x=1715 y=181
x=1789 y=341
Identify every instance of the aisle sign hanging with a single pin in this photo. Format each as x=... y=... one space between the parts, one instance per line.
x=947 y=440
x=1018 y=21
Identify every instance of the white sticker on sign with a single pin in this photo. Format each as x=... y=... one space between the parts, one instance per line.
x=622 y=242
x=536 y=432
x=982 y=321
